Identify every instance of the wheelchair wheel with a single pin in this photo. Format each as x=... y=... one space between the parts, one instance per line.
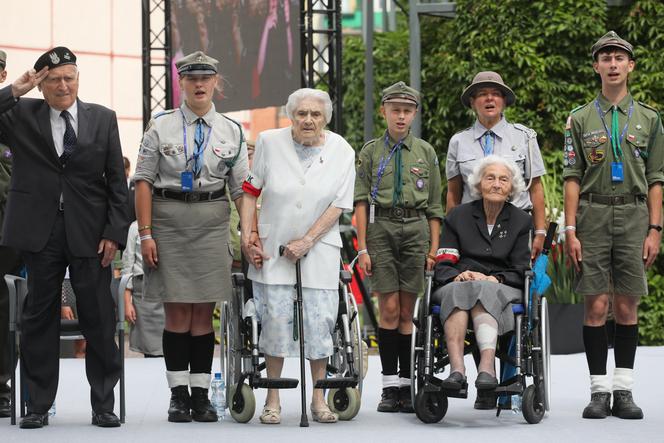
x=229 y=347
x=546 y=352
x=532 y=405
x=430 y=407
x=346 y=402
x=245 y=411
x=416 y=351
x=360 y=348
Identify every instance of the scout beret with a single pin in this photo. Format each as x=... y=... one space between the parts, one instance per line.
x=612 y=39
x=488 y=79
x=55 y=57
x=400 y=93
x=196 y=63
x=3 y=59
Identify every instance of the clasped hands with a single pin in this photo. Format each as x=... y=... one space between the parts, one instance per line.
x=475 y=276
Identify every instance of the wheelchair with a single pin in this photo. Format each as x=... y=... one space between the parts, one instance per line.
x=531 y=358
x=242 y=362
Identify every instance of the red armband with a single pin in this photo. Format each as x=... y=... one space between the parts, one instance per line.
x=250 y=189
x=447 y=255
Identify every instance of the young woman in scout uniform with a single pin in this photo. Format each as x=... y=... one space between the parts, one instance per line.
x=398 y=211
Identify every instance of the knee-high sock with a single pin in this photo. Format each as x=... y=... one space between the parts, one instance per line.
x=176 y=350
x=388 y=346
x=597 y=348
x=202 y=351
x=624 y=345
x=404 y=355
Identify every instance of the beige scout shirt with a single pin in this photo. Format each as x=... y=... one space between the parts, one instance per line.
x=161 y=159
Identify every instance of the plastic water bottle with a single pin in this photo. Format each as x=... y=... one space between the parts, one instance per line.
x=51 y=411
x=516 y=404
x=218 y=395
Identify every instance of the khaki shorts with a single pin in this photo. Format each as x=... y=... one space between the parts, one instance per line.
x=398 y=250
x=612 y=248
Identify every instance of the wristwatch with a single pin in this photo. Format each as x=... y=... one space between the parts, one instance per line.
x=657 y=228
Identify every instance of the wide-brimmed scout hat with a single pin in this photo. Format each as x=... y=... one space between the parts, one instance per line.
x=400 y=93
x=197 y=63
x=488 y=79
x=612 y=39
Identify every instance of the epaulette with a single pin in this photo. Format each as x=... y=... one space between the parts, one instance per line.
x=167 y=111
x=579 y=107
x=530 y=132
x=231 y=163
x=368 y=143
x=647 y=106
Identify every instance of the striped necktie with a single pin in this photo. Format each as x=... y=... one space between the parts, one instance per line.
x=69 y=139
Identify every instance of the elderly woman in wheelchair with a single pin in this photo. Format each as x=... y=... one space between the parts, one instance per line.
x=484 y=251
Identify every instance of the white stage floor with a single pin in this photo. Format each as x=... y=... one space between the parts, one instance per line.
x=147 y=402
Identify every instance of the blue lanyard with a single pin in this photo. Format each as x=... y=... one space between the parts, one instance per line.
x=197 y=153
x=615 y=145
x=383 y=164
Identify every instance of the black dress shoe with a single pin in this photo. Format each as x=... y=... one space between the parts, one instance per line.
x=624 y=406
x=105 y=420
x=485 y=400
x=5 y=407
x=201 y=408
x=486 y=381
x=454 y=382
x=34 y=421
x=405 y=401
x=389 y=400
x=599 y=406
x=179 y=409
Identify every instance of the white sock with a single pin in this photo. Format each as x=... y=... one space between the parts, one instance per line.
x=390 y=381
x=623 y=379
x=600 y=383
x=404 y=381
x=200 y=380
x=177 y=378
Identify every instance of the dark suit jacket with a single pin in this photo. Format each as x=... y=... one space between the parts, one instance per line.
x=92 y=183
x=506 y=252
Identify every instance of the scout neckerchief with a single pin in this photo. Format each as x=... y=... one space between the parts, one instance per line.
x=381 y=171
x=616 y=138
x=201 y=143
x=487 y=146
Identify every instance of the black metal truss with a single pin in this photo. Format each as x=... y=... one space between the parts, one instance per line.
x=157 y=92
x=320 y=43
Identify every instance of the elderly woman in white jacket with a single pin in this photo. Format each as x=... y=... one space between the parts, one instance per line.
x=305 y=177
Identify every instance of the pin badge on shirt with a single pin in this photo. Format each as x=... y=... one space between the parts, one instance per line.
x=637 y=153
x=419 y=183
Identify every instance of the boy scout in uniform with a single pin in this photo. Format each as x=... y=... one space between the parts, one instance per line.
x=398 y=211
x=614 y=169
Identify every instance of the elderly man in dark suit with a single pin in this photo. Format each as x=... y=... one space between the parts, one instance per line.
x=66 y=207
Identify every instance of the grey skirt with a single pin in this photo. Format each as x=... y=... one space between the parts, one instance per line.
x=496 y=299
x=145 y=334
x=193 y=250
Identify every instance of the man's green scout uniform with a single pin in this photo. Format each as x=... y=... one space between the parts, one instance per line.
x=612 y=217
x=616 y=153
x=404 y=196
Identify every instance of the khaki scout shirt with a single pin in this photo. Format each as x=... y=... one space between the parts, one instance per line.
x=161 y=158
x=588 y=153
x=420 y=174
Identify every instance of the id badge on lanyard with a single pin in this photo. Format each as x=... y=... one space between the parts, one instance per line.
x=372 y=212
x=617 y=173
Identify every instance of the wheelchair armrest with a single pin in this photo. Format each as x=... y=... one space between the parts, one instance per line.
x=18 y=289
x=238 y=279
x=345 y=276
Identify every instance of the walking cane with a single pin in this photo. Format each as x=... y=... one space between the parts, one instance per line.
x=304 y=421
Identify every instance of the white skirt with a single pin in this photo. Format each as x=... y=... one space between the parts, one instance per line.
x=274 y=307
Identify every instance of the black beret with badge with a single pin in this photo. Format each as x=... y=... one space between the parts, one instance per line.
x=400 y=93
x=612 y=39
x=55 y=57
x=197 y=63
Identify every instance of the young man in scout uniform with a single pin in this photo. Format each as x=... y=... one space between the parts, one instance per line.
x=398 y=210
x=614 y=169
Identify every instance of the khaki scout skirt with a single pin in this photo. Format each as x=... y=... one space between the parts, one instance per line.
x=193 y=250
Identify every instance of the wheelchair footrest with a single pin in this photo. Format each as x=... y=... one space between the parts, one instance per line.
x=510 y=389
x=276 y=383
x=336 y=382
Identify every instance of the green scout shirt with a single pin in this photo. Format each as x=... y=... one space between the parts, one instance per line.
x=419 y=170
x=5 y=178
x=588 y=153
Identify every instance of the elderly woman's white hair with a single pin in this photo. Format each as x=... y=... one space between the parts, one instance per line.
x=296 y=97
x=518 y=185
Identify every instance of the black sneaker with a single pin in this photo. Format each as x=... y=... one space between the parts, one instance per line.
x=405 y=401
x=179 y=408
x=389 y=400
x=599 y=406
x=201 y=408
x=624 y=406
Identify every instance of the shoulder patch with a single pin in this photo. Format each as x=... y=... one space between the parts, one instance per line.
x=162 y=113
x=531 y=133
